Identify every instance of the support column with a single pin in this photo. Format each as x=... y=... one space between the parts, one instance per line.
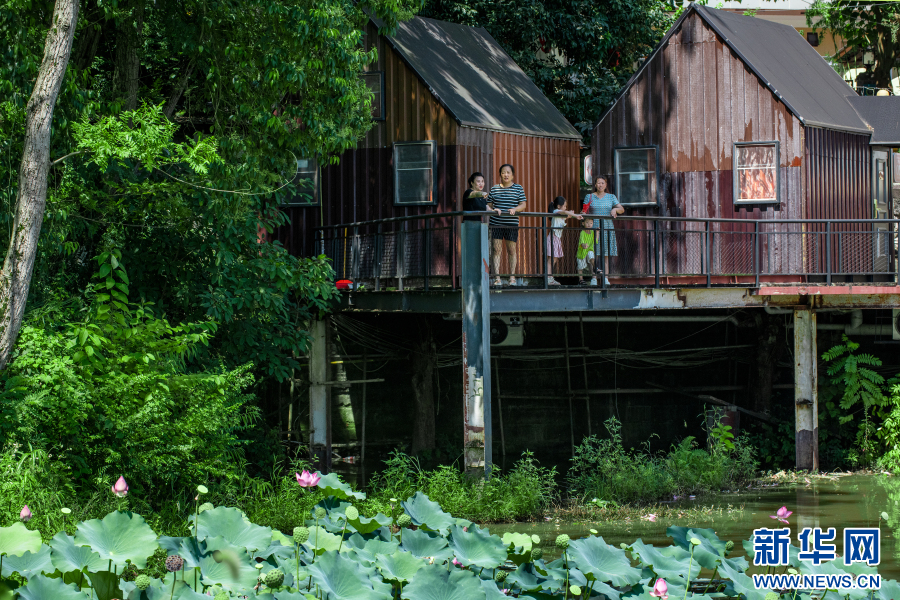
x=805 y=390
x=319 y=392
x=476 y=347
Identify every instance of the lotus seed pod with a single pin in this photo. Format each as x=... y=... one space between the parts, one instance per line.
x=221 y=596
x=174 y=563
x=301 y=534
x=274 y=578
x=320 y=512
x=404 y=520
x=352 y=513
x=537 y=554
x=695 y=542
x=205 y=506
x=500 y=577
x=772 y=596
x=535 y=539
x=729 y=546
x=142 y=582
x=576 y=591
x=562 y=541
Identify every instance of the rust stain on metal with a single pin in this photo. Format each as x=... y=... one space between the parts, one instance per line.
x=842 y=290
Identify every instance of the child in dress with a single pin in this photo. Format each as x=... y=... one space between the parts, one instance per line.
x=585 y=254
x=554 y=238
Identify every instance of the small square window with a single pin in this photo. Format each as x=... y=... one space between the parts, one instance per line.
x=637 y=174
x=813 y=38
x=306 y=181
x=375 y=83
x=756 y=176
x=414 y=166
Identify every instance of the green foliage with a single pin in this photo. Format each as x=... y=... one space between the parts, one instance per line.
x=523 y=493
x=605 y=470
x=333 y=563
x=860 y=385
x=578 y=52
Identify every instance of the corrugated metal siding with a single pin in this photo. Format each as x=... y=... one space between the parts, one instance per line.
x=694 y=100
x=546 y=168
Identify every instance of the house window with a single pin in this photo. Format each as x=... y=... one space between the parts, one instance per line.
x=813 y=38
x=306 y=182
x=756 y=177
x=375 y=83
x=414 y=166
x=637 y=174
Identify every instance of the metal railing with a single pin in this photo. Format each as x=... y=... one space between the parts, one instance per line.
x=422 y=252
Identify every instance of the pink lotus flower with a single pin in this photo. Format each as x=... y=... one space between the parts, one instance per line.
x=25 y=515
x=660 y=589
x=456 y=563
x=651 y=517
x=120 y=489
x=307 y=479
x=782 y=514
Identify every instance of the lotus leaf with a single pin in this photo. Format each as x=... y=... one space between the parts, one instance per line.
x=228 y=567
x=29 y=564
x=889 y=590
x=399 y=567
x=742 y=584
x=119 y=537
x=15 y=540
x=670 y=567
x=105 y=585
x=368 y=550
x=340 y=578
x=477 y=547
x=428 y=514
x=833 y=567
x=231 y=524
x=711 y=550
x=276 y=548
x=527 y=578
x=518 y=547
x=332 y=485
x=66 y=556
x=424 y=544
x=182 y=592
x=601 y=562
x=45 y=588
x=322 y=541
x=433 y=582
x=492 y=590
x=793 y=552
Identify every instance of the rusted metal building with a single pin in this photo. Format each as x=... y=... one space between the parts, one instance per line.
x=740 y=118
x=448 y=101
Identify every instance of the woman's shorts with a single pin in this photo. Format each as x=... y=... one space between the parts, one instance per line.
x=554 y=247
x=505 y=233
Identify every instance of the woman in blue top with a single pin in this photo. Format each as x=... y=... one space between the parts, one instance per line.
x=602 y=203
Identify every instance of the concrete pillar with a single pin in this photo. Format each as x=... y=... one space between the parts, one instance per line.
x=476 y=347
x=805 y=390
x=319 y=397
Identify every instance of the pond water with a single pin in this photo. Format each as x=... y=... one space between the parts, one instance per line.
x=839 y=502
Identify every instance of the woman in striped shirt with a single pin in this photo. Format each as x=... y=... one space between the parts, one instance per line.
x=510 y=198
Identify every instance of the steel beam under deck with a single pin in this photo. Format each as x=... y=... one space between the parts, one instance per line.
x=525 y=300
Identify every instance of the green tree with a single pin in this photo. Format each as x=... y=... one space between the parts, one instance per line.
x=863 y=26
x=579 y=52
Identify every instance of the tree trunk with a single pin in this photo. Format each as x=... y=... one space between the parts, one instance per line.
x=424 y=365
x=31 y=199
x=178 y=91
x=128 y=62
x=886 y=49
x=768 y=349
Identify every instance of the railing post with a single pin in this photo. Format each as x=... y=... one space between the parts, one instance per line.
x=602 y=254
x=894 y=241
x=354 y=260
x=427 y=251
x=379 y=254
x=453 y=253
x=544 y=242
x=828 y=253
x=756 y=261
x=401 y=267
x=656 y=251
x=706 y=250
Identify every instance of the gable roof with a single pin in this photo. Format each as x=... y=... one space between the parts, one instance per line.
x=785 y=63
x=476 y=81
x=882 y=114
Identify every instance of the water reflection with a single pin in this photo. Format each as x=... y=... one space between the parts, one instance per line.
x=839 y=502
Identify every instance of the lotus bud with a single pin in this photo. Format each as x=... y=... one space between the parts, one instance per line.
x=537 y=554
x=120 y=488
x=773 y=596
x=562 y=541
x=351 y=513
x=174 y=563
x=729 y=546
x=274 y=578
x=500 y=577
x=535 y=539
x=301 y=534
x=404 y=520
x=320 y=512
x=205 y=506
x=25 y=514
x=142 y=582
